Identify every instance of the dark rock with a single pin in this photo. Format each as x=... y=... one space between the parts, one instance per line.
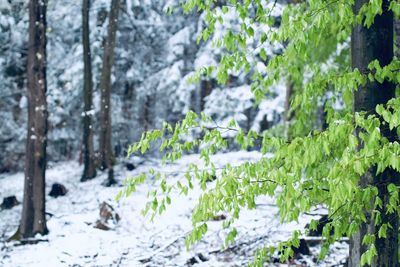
x=275 y=260
x=130 y=166
x=211 y=178
x=202 y=257
x=58 y=190
x=199 y=257
x=219 y=217
x=303 y=249
x=4 y=169
x=298 y=253
x=277 y=22
x=9 y=203
x=321 y=224
x=192 y=261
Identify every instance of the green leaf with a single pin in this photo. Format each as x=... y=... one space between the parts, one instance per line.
x=263 y=54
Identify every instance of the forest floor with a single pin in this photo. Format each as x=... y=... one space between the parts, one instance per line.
x=135 y=240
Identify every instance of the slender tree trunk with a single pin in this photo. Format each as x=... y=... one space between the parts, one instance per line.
x=397 y=31
x=368 y=44
x=147 y=114
x=33 y=219
x=89 y=170
x=287 y=116
x=106 y=151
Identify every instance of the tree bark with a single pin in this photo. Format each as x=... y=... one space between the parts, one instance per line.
x=287 y=116
x=33 y=219
x=106 y=151
x=397 y=31
x=89 y=170
x=368 y=44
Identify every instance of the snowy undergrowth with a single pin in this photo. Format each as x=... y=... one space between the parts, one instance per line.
x=136 y=241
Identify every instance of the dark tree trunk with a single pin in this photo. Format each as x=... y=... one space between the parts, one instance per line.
x=106 y=152
x=33 y=219
x=368 y=44
x=206 y=87
x=397 y=31
x=148 y=116
x=89 y=170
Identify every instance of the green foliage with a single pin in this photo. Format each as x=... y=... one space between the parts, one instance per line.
x=314 y=168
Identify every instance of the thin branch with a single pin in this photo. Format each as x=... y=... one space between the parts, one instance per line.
x=314 y=12
x=148 y=258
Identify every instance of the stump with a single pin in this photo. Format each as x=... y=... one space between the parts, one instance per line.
x=108 y=217
x=9 y=203
x=320 y=227
x=58 y=190
x=130 y=166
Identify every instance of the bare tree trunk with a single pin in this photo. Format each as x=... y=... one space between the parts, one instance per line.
x=397 y=31
x=368 y=44
x=287 y=116
x=33 y=219
x=89 y=170
x=106 y=151
x=148 y=120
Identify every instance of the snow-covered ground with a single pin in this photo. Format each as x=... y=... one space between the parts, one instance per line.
x=135 y=241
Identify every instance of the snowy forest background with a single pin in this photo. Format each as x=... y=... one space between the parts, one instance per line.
x=156 y=54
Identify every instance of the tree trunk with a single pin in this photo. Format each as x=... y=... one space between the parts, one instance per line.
x=33 y=219
x=397 y=31
x=287 y=116
x=89 y=170
x=368 y=44
x=106 y=152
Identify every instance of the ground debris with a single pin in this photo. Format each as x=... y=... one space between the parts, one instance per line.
x=108 y=217
x=58 y=190
x=9 y=203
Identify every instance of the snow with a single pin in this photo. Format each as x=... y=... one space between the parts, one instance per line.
x=204 y=60
x=230 y=103
x=135 y=240
x=4 y=5
x=177 y=42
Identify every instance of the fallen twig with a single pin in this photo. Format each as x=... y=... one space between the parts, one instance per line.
x=29 y=242
x=148 y=258
x=248 y=242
